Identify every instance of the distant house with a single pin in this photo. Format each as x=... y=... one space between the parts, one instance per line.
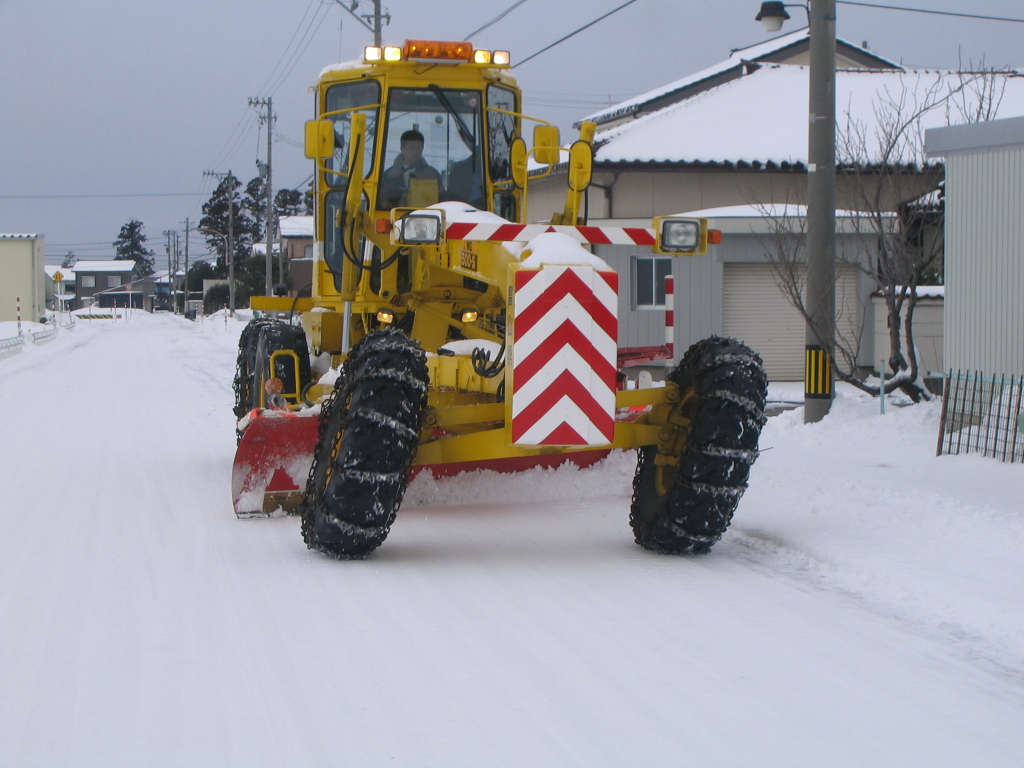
x=22 y=279
x=735 y=135
x=106 y=284
x=297 y=245
x=60 y=287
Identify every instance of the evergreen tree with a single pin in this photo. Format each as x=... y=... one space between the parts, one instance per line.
x=215 y=224
x=131 y=244
x=199 y=271
x=289 y=202
x=69 y=260
x=255 y=204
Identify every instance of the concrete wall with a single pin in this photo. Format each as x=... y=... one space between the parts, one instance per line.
x=22 y=276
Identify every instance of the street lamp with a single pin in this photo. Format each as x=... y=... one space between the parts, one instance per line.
x=819 y=340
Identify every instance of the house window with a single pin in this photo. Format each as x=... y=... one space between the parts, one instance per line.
x=113 y=281
x=88 y=281
x=308 y=252
x=649 y=281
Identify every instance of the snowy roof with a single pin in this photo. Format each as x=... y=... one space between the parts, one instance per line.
x=113 y=265
x=776 y=210
x=17 y=237
x=716 y=126
x=771 y=50
x=295 y=226
x=67 y=272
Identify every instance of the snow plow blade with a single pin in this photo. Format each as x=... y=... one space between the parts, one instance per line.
x=272 y=462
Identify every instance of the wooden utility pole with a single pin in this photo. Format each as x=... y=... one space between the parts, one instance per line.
x=268 y=118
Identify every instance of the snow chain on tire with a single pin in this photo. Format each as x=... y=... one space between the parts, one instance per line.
x=687 y=508
x=245 y=366
x=369 y=430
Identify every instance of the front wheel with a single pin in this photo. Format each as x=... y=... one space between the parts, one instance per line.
x=684 y=503
x=369 y=430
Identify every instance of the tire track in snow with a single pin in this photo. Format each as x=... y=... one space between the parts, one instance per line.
x=768 y=554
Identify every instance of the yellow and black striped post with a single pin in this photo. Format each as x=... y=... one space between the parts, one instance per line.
x=817 y=374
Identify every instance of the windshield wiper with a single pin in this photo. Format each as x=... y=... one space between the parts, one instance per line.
x=460 y=124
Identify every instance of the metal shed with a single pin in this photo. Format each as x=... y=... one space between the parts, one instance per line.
x=984 y=275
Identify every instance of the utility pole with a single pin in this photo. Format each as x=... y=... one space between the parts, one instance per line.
x=820 y=334
x=376 y=16
x=268 y=118
x=170 y=285
x=229 y=254
x=819 y=378
x=184 y=304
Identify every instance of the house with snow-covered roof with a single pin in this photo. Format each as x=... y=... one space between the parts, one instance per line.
x=60 y=287
x=95 y=281
x=736 y=135
x=791 y=48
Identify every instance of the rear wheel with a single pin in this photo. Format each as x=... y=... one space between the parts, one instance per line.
x=245 y=367
x=686 y=507
x=274 y=337
x=369 y=429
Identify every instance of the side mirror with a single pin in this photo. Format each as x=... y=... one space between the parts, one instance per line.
x=546 y=144
x=319 y=139
x=581 y=165
x=517 y=159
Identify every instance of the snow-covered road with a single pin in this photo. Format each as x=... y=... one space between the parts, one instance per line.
x=865 y=608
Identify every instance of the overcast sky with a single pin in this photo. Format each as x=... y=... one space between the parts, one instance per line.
x=112 y=109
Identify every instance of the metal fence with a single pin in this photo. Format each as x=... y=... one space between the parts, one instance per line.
x=982 y=414
x=10 y=347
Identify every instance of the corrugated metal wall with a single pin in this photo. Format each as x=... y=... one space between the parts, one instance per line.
x=984 y=329
x=698 y=300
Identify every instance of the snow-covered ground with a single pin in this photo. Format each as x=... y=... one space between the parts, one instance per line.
x=865 y=609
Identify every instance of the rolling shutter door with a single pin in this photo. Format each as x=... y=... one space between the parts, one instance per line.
x=757 y=313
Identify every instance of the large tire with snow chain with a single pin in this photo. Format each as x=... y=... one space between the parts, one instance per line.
x=369 y=429
x=686 y=508
x=275 y=337
x=245 y=367
x=258 y=341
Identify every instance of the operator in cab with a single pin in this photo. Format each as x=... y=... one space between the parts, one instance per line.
x=410 y=181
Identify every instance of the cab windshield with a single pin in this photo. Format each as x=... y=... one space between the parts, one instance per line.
x=448 y=164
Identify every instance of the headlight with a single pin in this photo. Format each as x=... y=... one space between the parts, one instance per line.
x=419 y=229
x=681 y=235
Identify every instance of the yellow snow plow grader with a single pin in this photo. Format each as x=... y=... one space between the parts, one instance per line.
x=460 y=337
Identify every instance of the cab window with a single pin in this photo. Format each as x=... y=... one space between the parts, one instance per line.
x=450 y=164
x=341 y=102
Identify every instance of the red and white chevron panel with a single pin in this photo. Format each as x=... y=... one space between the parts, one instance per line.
x=564 y=356
x=525 y=232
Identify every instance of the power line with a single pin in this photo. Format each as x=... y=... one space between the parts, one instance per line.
x=98 y=195
x=307 y=38
x=926 y=10
x=495 y=20
x=284 y=53
x=575 y=32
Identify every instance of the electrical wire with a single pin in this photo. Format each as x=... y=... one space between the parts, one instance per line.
x=307 y=38
x=495 y=20
x=573 y=33
x=100 y=195
x=284 y=53
x=926 y=10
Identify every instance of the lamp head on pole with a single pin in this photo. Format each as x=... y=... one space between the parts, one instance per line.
x=771 y=15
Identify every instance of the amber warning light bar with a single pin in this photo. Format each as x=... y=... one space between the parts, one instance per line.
x=436 y=50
